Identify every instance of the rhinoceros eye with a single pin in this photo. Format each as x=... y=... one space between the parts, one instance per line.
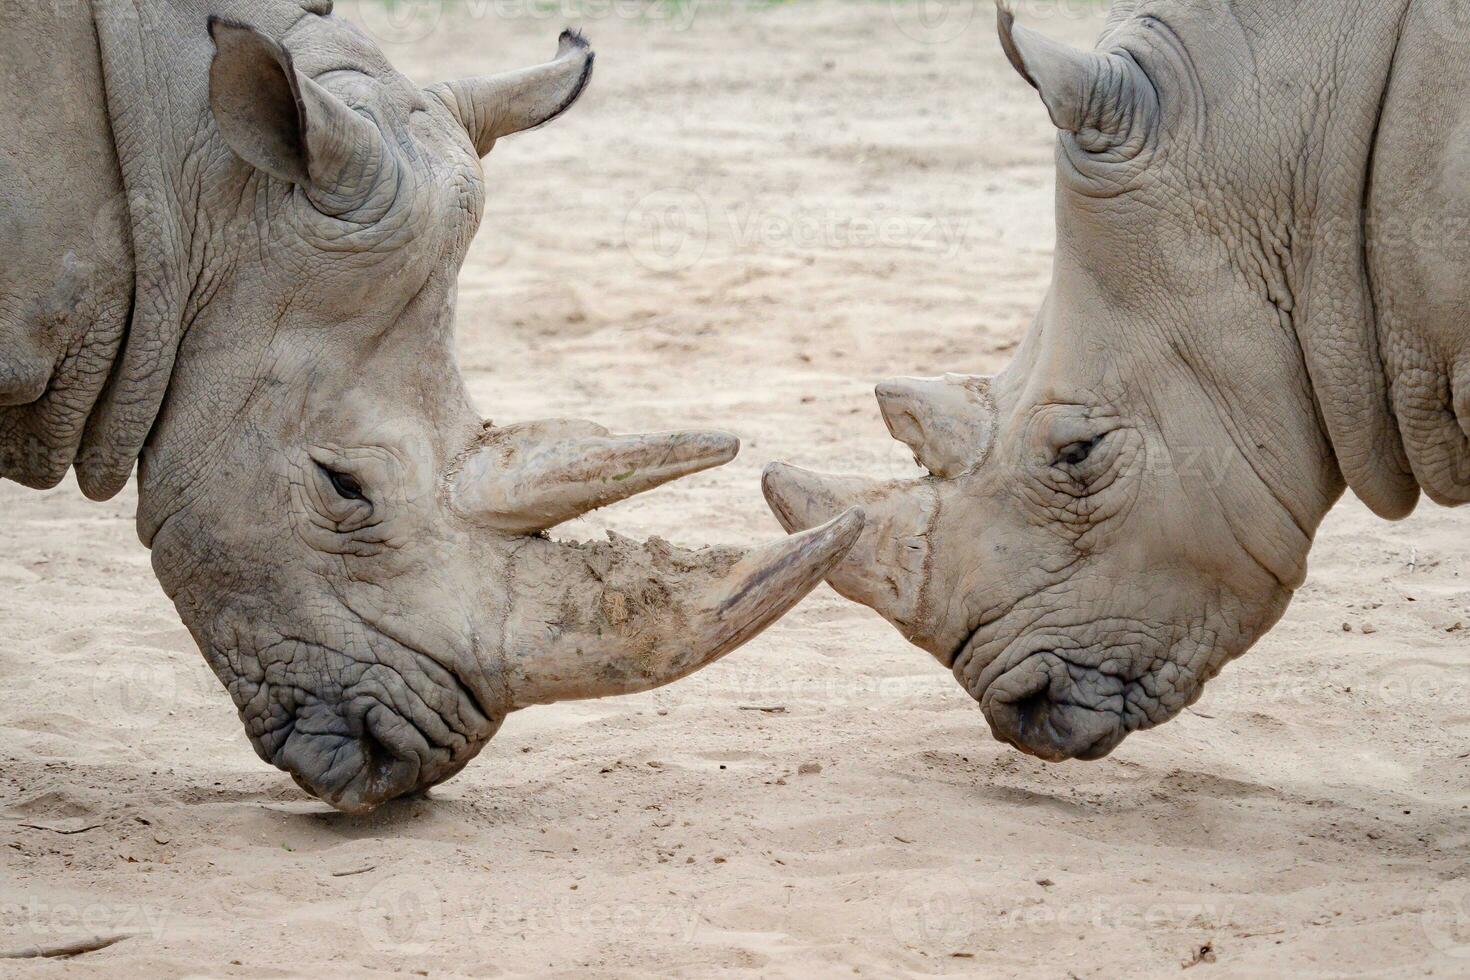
x=346 y=486
x=1076 y=453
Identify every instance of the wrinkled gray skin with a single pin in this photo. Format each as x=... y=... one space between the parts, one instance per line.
x=1229 y=339
x=231 y=245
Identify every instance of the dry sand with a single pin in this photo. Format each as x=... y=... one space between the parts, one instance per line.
x=868 y=196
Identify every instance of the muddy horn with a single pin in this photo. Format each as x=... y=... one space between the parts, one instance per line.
x=950 y=424
x=618 y=617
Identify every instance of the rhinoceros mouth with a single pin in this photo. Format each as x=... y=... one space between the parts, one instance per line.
x=1038 y=707
x=1060 y=701
x=365 y=729
x=1143 y=670
x=352 y=772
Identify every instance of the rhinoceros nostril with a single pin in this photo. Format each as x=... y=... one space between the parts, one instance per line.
x=1031 y=713
x=1020 y=709
x=1023 y=723
x=387 y=760
x=377 y=759
x=1033 y=706
x=353 y=772
x=374 y=774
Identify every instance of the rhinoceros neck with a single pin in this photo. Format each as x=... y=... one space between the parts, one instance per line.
x=1418 y=214
x=151 y=65
x=1332 y=68
x=101 y=223
x=66 y=278
x=155 y=58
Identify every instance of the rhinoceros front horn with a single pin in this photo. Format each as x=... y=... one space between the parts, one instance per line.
x=887 y=568
x=950 y=424
x=492 y=106
x=617 y=617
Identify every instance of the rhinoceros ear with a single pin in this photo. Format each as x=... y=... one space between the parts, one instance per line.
x=1103 y=98
x=492 y=106
x=284 y=124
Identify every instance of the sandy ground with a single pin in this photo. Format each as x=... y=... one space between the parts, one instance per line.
x=753 y=216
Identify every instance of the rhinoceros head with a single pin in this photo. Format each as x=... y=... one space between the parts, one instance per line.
x=362 y=559
x=1129 y=504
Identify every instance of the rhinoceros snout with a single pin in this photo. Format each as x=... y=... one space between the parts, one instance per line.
x=353 y=775
x=357 y=765
x=1041 y=709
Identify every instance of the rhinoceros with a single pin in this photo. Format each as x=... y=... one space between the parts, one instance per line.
x=1259 y=297
x=231 y=234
